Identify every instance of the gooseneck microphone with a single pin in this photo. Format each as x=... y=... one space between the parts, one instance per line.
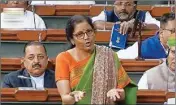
x=23 y=77
x=33 y=10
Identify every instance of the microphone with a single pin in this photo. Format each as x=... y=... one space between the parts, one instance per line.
x=138 y=22
x=33 y=10
x=40 y=37
x=23 y=77
x=44 y=2
x=105 y=15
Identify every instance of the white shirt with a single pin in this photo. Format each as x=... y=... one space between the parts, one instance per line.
x=132 y=52
x=148 y=18
x=27 y=21
x=129 y=53
x=63 y=2
x=143 y=84
x=39 y=81
x=171 y=101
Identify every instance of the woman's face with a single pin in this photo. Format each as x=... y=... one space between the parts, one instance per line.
x=84 y=36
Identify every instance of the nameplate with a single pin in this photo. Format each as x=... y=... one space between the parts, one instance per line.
x=26 y=94
x=30 y=88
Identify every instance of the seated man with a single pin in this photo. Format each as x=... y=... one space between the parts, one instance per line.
x=64 y=2
x=124 y=13
x=35 y=70
x=156 y=46
x=16 y=16
x=162 y=76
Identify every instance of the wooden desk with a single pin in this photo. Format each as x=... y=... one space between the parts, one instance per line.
x=90 y=10
x=52 y=95
x=13 y=64
x=60 y=35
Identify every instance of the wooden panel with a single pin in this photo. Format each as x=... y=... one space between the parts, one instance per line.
x=143 y=96
x=8 y=94
x=33 y=95
x=139 y=65
x=8 y=35
x=12 y=64
x=154 y=96
x=96 y=9
x=60 y=35
x=158 y=11
x=90 y=10
x=31 y=35
x=22 y=35
x=45 y=10
x=69 y=10
x=144 y=7
x=56 y=35
x=71 y=13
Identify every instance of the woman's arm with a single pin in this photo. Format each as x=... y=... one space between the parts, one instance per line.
x=63 y=87
x=67 y=96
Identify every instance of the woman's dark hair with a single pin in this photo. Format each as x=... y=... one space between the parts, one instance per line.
x=74 y=20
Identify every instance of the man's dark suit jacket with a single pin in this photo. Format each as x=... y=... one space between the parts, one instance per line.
x=11 y=80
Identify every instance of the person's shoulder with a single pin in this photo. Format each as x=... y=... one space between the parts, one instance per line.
x=110 y=11
x=63 y=55
x=152 y=38
x=155 y=69
x=14 y=74
x=30 y=13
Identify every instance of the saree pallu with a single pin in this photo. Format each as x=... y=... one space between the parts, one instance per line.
x=101 y=73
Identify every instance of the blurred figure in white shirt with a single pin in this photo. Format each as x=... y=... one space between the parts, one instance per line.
x=15 y=15
x=63 y=2
x=161 y=77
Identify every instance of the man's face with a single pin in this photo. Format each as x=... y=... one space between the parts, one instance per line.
x=124 y=9
x=35 y=60
x=166 y=31
x=171 y=58
x=17 y=4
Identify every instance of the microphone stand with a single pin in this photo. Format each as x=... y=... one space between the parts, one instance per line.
x=44 y=2
x=40 y=37
x=33 y=10
x=139 y=42
x=23 y=77
x=33 y=94
x=105 y=15
x=137 y=22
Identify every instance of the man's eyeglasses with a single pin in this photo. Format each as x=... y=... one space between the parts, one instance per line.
x=171 y=31
x=119 y=4
x=81 y=35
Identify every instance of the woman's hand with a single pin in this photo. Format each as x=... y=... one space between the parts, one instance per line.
x=78 y=95
x=116 y=94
